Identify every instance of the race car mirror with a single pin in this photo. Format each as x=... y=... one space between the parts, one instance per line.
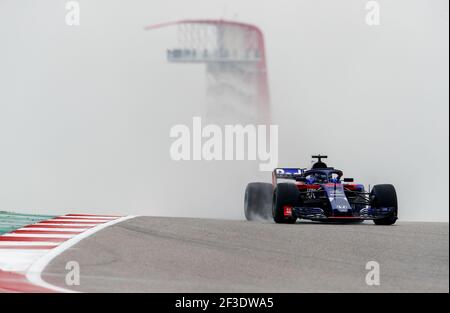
x=349 y=180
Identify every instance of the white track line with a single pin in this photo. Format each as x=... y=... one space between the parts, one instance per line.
x=26 y=243
x=34 y=272
x=92 y=216
x=78 y=220
x=21 y=259
x=87 y=217
x=78 y=230
x=64 y=225
x=39 y=235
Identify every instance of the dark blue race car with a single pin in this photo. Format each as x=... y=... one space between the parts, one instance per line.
x=319 y=194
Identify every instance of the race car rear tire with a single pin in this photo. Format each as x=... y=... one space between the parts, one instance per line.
x=385 y=196
x=285 y=194
x=258 y=201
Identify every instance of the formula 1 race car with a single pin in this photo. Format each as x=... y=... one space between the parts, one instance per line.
x=319 y=194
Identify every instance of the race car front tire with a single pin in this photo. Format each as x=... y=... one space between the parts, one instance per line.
x=285 y=194
x=258 y=201
x=385 y=196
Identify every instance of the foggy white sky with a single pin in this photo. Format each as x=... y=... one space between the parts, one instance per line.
x=85 y=111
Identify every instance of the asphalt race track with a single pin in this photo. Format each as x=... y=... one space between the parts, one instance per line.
x=157 y=254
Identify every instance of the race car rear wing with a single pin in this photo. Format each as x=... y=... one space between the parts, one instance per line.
x=286 y=173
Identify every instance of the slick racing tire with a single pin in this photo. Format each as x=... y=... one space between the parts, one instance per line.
x=385 y=196
x=258 y=201
x=285 y=194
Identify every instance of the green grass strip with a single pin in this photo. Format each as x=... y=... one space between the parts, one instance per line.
x=12 y=221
